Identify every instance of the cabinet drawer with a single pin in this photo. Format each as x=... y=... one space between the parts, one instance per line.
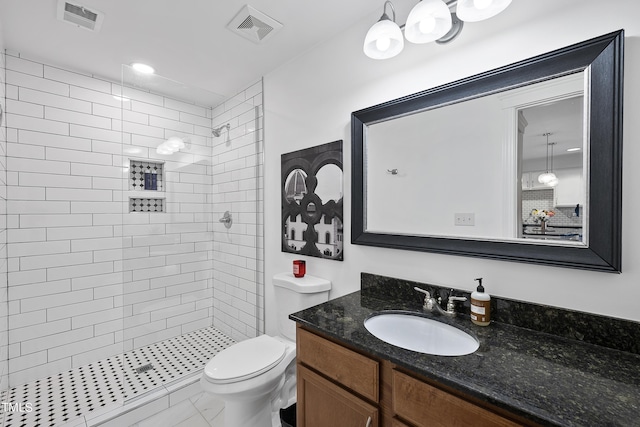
x=351 y=369
x=424 y=405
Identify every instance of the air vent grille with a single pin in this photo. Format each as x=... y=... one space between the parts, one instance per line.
x=253 y=25
x=79 y=15
x=80 y=12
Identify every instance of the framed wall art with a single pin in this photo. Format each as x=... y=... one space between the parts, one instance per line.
x=312 y=196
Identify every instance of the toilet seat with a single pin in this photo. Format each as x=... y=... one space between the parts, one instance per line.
x=244 y=360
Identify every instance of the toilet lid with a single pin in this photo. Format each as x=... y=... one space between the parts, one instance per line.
x=244 y=360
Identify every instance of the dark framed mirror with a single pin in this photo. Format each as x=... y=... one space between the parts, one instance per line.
x=599 y=64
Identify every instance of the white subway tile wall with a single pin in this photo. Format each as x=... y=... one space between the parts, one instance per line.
x=238 y=260
x=4 y=313
x=86 y=278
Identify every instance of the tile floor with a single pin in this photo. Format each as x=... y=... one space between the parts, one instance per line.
x=68 y=397
x=200 y=410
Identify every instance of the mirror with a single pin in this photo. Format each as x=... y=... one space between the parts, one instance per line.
x=457 y=169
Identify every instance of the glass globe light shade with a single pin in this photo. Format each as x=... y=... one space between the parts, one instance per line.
x=479 y=10
x=545 y=178
x=384 y=40
x=428 y=21
x=552 y=183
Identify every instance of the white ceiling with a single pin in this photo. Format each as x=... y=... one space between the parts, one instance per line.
x=184 y=40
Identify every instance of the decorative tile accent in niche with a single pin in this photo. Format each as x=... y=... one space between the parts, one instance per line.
x=146 y=175
x=145 y=205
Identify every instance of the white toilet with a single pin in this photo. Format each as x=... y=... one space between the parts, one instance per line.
x=256 y=377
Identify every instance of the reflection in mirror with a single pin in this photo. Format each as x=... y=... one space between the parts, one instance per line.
x=552 y=145
x=453 y=175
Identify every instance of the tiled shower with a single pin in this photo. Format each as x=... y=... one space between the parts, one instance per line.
x=99 y=261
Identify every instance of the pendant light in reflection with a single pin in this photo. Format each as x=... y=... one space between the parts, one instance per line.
x=548 y=178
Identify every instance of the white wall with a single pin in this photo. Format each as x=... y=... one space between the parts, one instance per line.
x=308 y=102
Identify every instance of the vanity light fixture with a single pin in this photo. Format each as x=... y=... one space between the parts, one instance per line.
x=479 y=10
x=429 y=20
x=384 y=39
x=548 y=178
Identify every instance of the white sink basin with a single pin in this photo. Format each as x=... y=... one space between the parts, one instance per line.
x=421 y=334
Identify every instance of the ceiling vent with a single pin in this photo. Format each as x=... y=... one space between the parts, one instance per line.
x=254 y=25
x=80 y=16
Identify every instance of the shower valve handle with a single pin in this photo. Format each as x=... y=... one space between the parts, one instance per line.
x=226 y=219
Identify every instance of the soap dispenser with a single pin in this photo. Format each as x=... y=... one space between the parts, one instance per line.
x=480 y=305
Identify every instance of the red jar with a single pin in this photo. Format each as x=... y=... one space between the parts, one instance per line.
x=299 y=268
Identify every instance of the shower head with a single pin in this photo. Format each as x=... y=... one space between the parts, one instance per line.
x=217 y=131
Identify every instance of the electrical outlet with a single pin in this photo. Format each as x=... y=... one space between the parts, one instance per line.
x=465 y=219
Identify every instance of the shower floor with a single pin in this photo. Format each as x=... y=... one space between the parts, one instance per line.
x=68 y=395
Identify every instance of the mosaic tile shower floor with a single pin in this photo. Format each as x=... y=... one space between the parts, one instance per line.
x=60 y=398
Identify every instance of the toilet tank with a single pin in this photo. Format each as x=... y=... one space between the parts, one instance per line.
x=293 y=294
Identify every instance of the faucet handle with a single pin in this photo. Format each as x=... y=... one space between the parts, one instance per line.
x=426 y=293
x=451 y=303
x=427 y=296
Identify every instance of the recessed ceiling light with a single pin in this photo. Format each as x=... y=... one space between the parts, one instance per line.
x=143 y=68
x=573 y=149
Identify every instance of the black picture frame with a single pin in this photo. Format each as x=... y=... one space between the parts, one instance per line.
x=308 y=207
x=604 y=57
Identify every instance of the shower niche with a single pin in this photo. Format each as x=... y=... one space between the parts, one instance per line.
x=146 y=186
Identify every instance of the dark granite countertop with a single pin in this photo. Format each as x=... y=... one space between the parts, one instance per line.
x=549 y=379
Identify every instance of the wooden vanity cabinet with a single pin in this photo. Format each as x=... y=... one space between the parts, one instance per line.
x=425 y=405
x=338 y=386
x=322 y=403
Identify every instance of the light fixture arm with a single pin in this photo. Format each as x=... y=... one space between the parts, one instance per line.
x=384 y=12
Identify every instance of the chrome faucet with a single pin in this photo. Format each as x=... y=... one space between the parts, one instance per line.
x=430 y=303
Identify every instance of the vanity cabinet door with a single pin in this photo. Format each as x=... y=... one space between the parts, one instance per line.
x=322 y=403
x=348 y=368
x=423 y=405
